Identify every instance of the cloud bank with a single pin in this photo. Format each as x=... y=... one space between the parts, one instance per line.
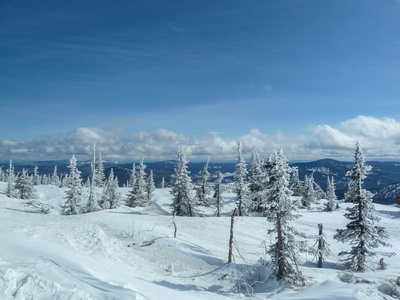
x=380 y=138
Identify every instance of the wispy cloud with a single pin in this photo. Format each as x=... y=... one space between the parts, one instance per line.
x=380 y=138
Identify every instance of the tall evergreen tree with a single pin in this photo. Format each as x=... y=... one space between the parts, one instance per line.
x=240 y=184
x=181 y=188
x=111 y=196
x=24 y=186
x=88 y=182
x=257 y=181
x=74 y=192
x=295 y=184
x=162 y=183
x=331 y=195
x=36 y=177
x=361 y=231
x=11 y=191
x=219 y=201
x=92 y=203
x=115 y=196
x=150 y=187
x=279 y=212
x=99 y=177
x=65 y=181
x=55 y=180
x=202 y=190
x=132 y=177
x=309 y=194
x=138 y=195
x=45 y=179
x=319 y=193
x=2 y=175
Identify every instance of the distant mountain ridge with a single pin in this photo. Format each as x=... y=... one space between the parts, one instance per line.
x=384 y=179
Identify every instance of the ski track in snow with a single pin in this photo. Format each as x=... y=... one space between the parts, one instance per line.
x=130 y=253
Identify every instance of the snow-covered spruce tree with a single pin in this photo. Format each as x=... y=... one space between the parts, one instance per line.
x=45 y=179
x=295 y=184
x=182 y=187
x=65 y=180
x=92 y=203
x=115 y=196
x=279 y=212
x=99 y=176
x=240 y=184
x=36 y=177
x=111 y=196
x=331 y=195
x=74 y=192
x=257 y=181
x=55 y=180
x=219 y=201
x=202 y=190
x=2 y=175
x=24 y=186
x=361 y=231
x=319 y=193
x=150 y=187
x=132 y=178
x=11 y=192
x=88 y=182
x=309 y=195
x=138 y=195
x=321 y=247
x=162 y=183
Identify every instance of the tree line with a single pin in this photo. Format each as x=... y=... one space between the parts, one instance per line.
x=272 y=189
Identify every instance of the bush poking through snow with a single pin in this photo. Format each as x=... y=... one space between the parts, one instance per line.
x=347 y=277
x=382 y=264
x=391 y=289
x=43 y=207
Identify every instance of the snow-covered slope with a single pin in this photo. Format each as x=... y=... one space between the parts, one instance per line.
x=130 y=253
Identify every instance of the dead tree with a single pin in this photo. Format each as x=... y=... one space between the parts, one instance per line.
x=231 y=236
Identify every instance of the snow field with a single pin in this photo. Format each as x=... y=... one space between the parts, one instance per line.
x=130 y=253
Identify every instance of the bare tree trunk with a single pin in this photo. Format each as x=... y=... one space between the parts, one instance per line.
x=231 y=237
x=320 y=246
x=175 y=228
x=281 y=262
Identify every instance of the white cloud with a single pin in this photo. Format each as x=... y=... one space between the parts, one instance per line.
x=380 y=138
x=327 y=137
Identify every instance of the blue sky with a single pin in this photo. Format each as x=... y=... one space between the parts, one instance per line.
x=146 y=76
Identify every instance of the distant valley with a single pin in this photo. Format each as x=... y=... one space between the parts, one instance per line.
x=384 y=181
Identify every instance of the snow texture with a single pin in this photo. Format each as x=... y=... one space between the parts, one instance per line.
x=130 y=253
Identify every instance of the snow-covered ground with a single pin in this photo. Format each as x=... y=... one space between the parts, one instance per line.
x=130 y=253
